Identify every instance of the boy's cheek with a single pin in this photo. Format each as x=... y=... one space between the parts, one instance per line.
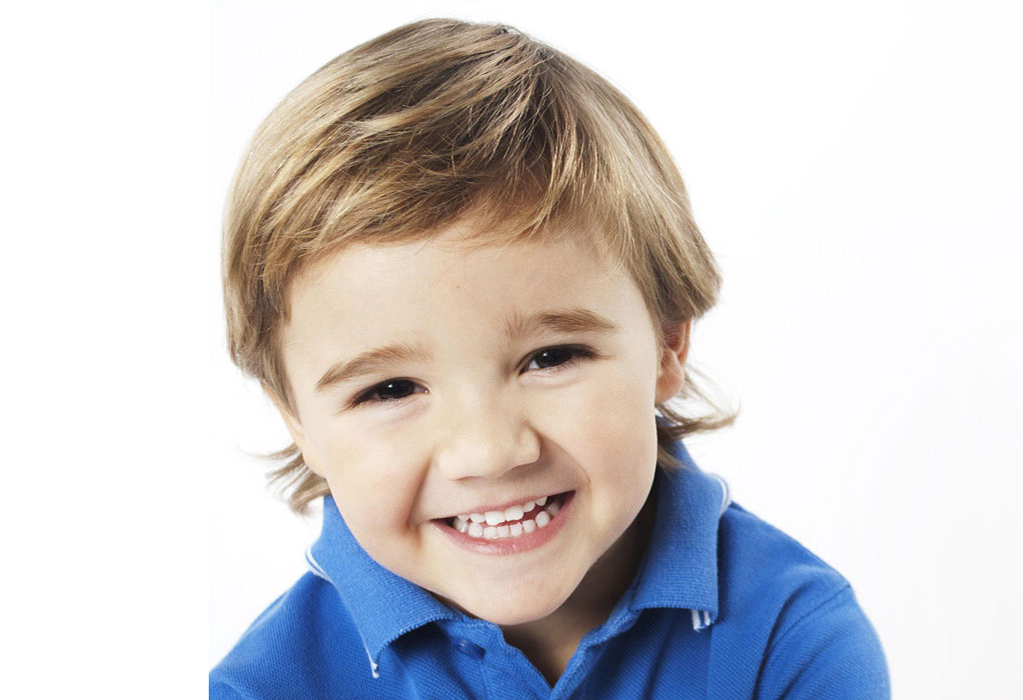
x=623 y=399
x=376 y=480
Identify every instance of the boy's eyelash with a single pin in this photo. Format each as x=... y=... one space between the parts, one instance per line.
x=576 y=352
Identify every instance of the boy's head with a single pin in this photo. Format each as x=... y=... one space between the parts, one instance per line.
x=498 y=179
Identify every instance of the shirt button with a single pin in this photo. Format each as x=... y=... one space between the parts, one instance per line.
x=468 y=648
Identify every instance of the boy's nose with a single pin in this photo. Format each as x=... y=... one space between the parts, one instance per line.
x=486 y=442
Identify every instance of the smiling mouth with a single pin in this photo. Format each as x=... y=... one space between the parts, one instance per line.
x=516 y=521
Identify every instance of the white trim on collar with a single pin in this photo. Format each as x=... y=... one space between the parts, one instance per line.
x=698 y=623
x=314 y=566
x=726 y=493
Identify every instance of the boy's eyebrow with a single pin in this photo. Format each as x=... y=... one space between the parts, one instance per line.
x=369 y=362
x=563 y=321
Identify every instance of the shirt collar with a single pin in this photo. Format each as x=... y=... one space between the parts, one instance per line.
x=679 y=569
x=383 y=605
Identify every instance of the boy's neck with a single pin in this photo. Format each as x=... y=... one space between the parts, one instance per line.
x=550 y=642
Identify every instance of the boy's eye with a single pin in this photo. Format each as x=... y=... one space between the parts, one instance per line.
x=555 y=358
x=391 y=390
x=558 y=357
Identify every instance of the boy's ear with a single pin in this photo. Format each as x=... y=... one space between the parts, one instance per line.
x=671 y=373
x=298 y=433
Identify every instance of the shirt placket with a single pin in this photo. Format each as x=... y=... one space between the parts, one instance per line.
x=506 y=670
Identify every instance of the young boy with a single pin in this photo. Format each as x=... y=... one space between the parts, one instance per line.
x=464 y=268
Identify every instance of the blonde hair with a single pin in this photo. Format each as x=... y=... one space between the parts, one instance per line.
x=428 y=124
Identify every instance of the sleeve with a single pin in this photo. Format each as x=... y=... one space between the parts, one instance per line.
x=830 y=653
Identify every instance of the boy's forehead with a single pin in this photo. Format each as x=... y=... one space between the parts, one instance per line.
x=454 y=251
x=451 y=276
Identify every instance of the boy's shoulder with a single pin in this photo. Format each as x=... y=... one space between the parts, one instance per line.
x=798 y=617
x=285 y=652
x=758 y=563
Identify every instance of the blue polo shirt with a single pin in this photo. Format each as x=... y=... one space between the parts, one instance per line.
x=724 y=606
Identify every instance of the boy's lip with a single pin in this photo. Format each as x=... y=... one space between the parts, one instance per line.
x=502 y=506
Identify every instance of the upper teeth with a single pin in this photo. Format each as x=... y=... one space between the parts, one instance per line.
x=508 y=515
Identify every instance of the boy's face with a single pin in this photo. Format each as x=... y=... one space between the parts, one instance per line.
x=457 y=417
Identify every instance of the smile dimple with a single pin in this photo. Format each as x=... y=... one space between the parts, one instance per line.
x=514 y=521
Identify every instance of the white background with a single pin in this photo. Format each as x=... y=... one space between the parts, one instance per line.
x=856 y=167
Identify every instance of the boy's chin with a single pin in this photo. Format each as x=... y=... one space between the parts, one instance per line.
x=508 y=609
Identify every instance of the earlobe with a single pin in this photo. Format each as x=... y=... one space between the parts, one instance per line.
x=671 y=373
x=297 y=431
